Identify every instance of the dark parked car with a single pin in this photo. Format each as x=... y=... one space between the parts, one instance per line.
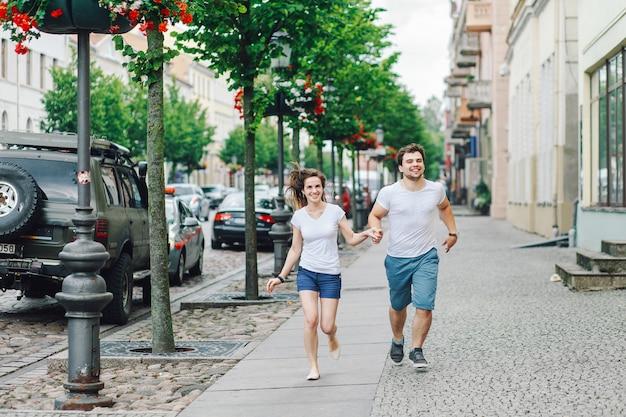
x=229 y=223
x=186 y=239
x=215 y=193
x=193 y=195
x=38 y=199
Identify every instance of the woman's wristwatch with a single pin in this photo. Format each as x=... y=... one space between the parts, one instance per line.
x=281 y=279
x=454 y=234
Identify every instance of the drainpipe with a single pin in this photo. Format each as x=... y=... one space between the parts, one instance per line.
x=557 y=81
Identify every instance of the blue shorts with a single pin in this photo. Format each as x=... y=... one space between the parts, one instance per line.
x=329 y=286
x=419 y=274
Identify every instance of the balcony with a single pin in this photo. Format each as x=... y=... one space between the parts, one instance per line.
x=454 y=91
x=479 y=16
x=456 y=136
x=453 y=81
x=469 y=44
x=466 y=117
x=479 y=94
x=466 y=61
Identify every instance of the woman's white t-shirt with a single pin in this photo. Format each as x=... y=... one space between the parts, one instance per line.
x=319 y=239
x=412 y=217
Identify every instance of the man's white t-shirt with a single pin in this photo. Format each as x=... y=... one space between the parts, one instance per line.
x=319 y=239
x=412 y=217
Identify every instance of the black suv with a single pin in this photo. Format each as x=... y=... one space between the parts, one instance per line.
x=38 y=198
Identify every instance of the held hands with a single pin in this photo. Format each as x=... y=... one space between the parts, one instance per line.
x=375 y=233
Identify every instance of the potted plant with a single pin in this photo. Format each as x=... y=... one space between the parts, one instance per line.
x=482 y=202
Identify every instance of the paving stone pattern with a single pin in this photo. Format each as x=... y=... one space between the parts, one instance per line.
x=506 y=341
x=157 y=389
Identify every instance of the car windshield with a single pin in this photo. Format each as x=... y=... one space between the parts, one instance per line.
x=57 y=179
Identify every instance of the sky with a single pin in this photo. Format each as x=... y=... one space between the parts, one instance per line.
x=422 y=30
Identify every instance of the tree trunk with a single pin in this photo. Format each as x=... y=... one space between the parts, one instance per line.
x=320 y=158
x=252 y=277
x=295 y=146
x=162 y=332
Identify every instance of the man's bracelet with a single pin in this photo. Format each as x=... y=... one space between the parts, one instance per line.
x=280 y=278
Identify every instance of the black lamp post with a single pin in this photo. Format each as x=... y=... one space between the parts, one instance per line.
x=281 y=231
x=84 y=291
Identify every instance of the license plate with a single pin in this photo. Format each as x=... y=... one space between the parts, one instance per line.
x=7 y=248
x=238 y=220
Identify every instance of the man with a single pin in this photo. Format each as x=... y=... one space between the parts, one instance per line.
x=412 y=262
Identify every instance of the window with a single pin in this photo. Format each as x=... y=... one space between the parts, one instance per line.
x=607 y=105
x=110 y=186
x=29 y=67
x=4 y=59
x=42 y=71
x=130 y=190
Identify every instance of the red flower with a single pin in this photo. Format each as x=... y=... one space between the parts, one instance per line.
x=186 y=18
x=163 y=27
x=146 y=27
x=56 y=13
x=20 y=49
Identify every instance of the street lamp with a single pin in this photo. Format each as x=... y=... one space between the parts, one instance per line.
x=280 y=231
x=83 y=293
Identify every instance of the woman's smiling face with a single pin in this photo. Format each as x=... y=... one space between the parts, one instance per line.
x=313 y=189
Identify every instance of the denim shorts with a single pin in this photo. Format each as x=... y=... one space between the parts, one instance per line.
x=418 y=274
x=328 y=286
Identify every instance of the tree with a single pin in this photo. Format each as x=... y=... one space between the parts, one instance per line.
x=146 y=67
x=266 y=139
x=186 y=130
x=235 y=39
x=108 y=109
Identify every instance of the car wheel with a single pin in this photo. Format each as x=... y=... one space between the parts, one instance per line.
x=176 y=279
x=197 y=268
x=120 y=284
x=215 y=244
x=20 y=199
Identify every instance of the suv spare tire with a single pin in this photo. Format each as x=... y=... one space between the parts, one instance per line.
x=20 y=199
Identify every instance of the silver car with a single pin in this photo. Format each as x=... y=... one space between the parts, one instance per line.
x=195 y=199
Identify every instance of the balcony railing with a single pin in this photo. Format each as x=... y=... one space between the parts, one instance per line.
x=479 y=94
x=454 y=91
x=479 y=16
x=469 y=44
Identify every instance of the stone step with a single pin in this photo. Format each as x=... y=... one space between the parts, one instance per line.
x=600 y=261
x=579 y=279
x=615 y=248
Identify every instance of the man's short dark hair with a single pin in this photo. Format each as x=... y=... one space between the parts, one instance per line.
x=411 y=148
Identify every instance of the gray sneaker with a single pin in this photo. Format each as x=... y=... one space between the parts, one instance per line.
x=417 y=358
x=397 y=352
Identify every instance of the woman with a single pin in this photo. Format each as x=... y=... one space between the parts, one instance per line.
x=314 y=242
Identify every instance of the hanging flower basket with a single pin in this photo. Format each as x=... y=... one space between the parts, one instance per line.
x=24 y=19
x=79 y=15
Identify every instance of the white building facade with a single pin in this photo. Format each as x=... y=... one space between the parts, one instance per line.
x=542 y=65
x=25 y=78
x=601 y=213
